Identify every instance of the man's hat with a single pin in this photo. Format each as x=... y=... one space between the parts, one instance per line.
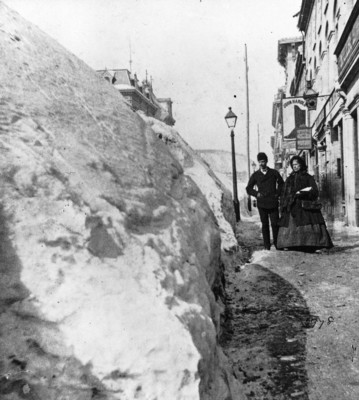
x=262 y=156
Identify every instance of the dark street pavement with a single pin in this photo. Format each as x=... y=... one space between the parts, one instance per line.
x=291 y=328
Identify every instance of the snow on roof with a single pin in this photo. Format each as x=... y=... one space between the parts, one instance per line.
x=123 y=86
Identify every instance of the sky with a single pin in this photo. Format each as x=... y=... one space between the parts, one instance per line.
x=193 y=50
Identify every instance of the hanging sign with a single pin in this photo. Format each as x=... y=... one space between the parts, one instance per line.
x=304 y=138
x=294 y=116
x=289 y=144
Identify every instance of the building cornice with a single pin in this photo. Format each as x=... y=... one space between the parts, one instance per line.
x=304 y=15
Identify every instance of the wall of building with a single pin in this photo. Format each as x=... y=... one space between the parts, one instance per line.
x=334 y=159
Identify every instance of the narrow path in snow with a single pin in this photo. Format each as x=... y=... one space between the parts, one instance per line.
x=264 y=334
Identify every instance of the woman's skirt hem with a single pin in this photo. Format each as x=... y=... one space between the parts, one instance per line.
x=313 y=237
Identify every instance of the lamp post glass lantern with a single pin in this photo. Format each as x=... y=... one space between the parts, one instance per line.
x=231 y=119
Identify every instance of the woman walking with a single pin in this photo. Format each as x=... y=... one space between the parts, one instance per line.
x=301 y=225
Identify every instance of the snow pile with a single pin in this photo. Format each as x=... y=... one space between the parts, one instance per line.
x=203 y=176
x=123 y=86
x=108 y=252
x=214 y=195
x=221 y=163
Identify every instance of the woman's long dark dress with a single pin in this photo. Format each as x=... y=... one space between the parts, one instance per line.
x=300 y=229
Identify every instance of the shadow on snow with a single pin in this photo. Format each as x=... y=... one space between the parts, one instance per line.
x=264 y=334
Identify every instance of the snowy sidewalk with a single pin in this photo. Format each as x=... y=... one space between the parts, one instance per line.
x=292 y=327
x=329 y=284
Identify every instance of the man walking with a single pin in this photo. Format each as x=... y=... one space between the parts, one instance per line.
x=269 y=185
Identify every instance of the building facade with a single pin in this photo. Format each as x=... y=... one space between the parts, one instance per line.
x=138 y=95
x=289 y=52
x=327 y=68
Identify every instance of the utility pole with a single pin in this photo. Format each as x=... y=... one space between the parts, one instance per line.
x=247 y=96
x=130 y=57
x=258 y=138
x=234 y=169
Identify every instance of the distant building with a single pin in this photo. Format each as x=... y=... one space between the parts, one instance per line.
x=166 y=104
x=139 y=96
x=290 y=57
x=283 y=144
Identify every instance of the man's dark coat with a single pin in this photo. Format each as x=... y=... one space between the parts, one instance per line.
x=269 y=185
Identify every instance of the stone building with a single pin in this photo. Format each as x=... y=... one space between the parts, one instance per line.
x=347 y=55
x=139 y=96
x=289 y=52
x=327 y=69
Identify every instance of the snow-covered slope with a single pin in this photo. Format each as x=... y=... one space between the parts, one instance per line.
x=108 y=251
x=218 y=196
x=220 y=162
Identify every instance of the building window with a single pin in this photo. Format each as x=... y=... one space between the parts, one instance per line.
x=326 y=30
x=339 y=167
x=308 y=74
x=326 y=6
x=335 y=9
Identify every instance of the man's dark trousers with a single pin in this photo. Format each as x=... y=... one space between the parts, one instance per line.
x=266 y=214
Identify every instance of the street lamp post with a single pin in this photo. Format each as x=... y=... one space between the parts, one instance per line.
x=231 y=119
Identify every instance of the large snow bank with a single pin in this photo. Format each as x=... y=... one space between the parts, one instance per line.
x=108 y=252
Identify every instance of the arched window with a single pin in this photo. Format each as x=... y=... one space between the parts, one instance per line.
x=308 y=75
x=326 y=30
x=335 y=6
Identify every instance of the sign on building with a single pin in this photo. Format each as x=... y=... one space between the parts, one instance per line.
x=289 y=144
x=304 y=138
x=294 y=116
